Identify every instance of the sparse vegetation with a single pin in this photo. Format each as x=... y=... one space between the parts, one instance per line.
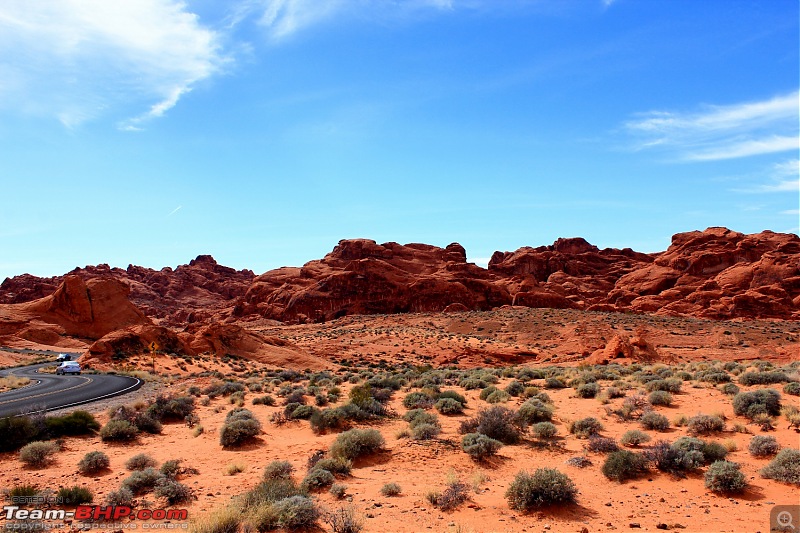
x=546 y=486
x=93 y=462
x=725 y=477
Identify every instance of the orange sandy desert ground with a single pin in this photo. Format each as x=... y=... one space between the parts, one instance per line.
x=499 y=344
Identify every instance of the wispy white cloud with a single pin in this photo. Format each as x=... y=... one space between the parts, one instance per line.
x=721 y=132
x=779 y=178
x=76 y=60
x=174 y=210
x=790 y=212
x=283 y=18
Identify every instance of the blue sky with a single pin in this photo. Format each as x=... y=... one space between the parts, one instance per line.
x=263 y=131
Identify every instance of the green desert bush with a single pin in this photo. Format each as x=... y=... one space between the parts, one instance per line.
x=391 y=489
x=278 y=470
x=425 y=431
x=705 y=424
x=654 y=421
x=173 y=491
x=356 y=443
x=729 y=389
x=623 y=464
x=316 y=479
x=448 y=406
x=544 y=430
x=123 y=496
x=17 y=431
x=142 y=481
x=587 y=390
x=140 y=461
x=784 y=467
x=762 y=378
x=497 y=422
x=75 y=495
x=38 y=454
x=634 y=437
x=118 y=430
x=417 y=400
x=725 y=477
x=480 y=447
x=240 y=426
x=792 y=388
x=754 y=403
x=763 y=446
x=585 y=427
x=534 y=410
x=546 y=486
x=660 y=397
x=75 y=423
x=93 y=462
x=453 y=395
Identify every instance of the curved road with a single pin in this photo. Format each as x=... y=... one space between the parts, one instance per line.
x=47 y=392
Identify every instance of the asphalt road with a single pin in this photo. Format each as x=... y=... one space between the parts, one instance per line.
x=47 y=392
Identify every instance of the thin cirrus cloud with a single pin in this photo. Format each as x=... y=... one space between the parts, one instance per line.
x=721 y=132
x=77 y=60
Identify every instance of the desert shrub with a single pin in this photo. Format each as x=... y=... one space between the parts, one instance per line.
x=751 y=404
x=141 y=481
x=654 y=421
x=17 y=431
x=118 y=430
x=715 y=376
x=534 y=410
x=278 y=470
x=325 y=419
x=585 y=427
x=417 y=400
x=554 y=383
x=497 y=422
x=546 y=486
x=784 y=467
x=792 y=388
x=391 y=489
x=600 y=444
x=544 y=430
x=74 y=423
x=172 y=408
x=145 y=422
x=173 y=491
x=448 y=406
x=302 y=412
x=93 y=462
x=335 y=465
x=452 y=496
x=480 y=447
x=634 y=437
x=472 y=383
x=634 y=406
x=240 y=425
x=338 y=491
x=763 y=446
x=317 y=478
x=623 y=464
x=140 y=461
x=729 y=389
x=344 y=520
x=172 y=468
x=415 y=417
x=264 y=400
x=615 y=392
x=724 y=476
x=453 y=395
x=355 y=443
x=660 y=397
x=487 y=391
x=75 y=495
x=697 y=452
x=515 y=388
x=666 y=385
x=425 y=431
x=587 y=390
x=295 y=512
x=498 y=396
x=123 y=496
x=270 y=491
x=580 y=461
x=713 y=451
x=705 y=424
x=762 y=378
x=668 y=458
x=38 y=453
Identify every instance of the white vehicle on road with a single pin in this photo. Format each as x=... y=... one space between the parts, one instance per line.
x=68 y=367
